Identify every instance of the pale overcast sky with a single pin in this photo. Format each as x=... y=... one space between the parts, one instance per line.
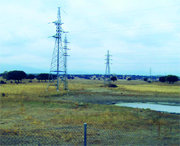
x=140 y=34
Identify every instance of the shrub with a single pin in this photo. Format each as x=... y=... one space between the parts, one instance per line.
x=145 y=79
x=129 y=79
x=3 y=94
x=114 y=78
x=2 y=82
x=112 y=85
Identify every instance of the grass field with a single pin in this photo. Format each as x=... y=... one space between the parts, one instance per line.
x=29 y=106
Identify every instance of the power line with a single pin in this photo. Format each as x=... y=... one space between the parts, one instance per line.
x=128 y=28
x=149 y=9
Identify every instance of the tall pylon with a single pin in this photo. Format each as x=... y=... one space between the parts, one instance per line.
x=107 y=79
x=59 y=58
x=65 y=63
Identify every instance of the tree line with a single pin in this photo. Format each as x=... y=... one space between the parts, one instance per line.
x=18 y=76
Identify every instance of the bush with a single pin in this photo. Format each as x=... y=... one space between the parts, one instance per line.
x=145 y=79
x=70 y=77
x=112 y=85
x=2 y=82
x=114 y=78
x=129 y=79
x=3 y=94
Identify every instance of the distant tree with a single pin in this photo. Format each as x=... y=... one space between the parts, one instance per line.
x=4 y=75
x=16 y=75
x=162 y=79
x=171 y=79
x=43 y=76
x=50 y=76
x=86 y=77
x=30 y=77
x=70 y=77
x=129 y=79
x=113 y=78
x=145 y=79
x=93 y=77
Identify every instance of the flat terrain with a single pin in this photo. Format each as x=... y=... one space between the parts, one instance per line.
x=32 y=115
x=126 y=91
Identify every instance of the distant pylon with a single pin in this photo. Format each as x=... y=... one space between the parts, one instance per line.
x=150 y=74
x=59 y=58
x=107 y=72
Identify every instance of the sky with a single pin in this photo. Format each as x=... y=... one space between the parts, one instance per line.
x=141 y=35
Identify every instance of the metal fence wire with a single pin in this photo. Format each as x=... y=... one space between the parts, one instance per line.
x=92 y=135
x=68 y=135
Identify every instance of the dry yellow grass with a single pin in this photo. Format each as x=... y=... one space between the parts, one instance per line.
x=40 y=89
x=31 y=107
x=152 y=88
x=30 y=103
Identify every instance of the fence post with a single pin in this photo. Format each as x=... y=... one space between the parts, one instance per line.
x=85 y=133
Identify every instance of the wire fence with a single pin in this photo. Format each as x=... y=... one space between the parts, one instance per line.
x=93 y=135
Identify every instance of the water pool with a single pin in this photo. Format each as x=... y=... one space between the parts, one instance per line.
x=159 y=106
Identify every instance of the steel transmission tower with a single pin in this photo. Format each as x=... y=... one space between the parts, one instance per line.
x=65 y=63
x=59 y=58
x=107 y=72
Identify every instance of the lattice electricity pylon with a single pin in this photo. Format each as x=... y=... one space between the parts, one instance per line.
x=65 y=79
x=59 y=54
x=107 y=75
